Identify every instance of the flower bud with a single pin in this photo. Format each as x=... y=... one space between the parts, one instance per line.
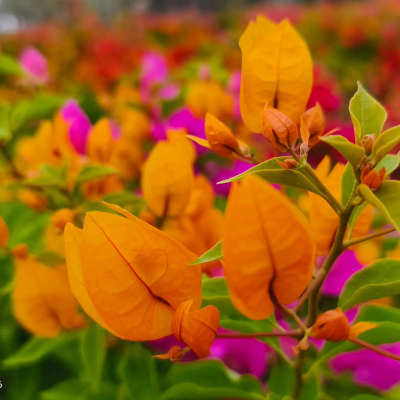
x=221 y=139
x=331 y=325
x=312 y=125
x=197 y=327
x=4 y=234
x=372 y=178
x=32 y=200
x=279 y=129
x=175 y=353
x=61 y=218
x=368 y=141
x=20 y=251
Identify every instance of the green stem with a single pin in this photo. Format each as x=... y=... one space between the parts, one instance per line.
x=299 y=379
x=362 y=239
x=336 y=249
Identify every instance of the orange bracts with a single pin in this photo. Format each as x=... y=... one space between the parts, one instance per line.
x=267 y=246
x=42 y=298
x=312 y=125
x=196 y=327
x=279 y=129
x=372 y=178
x=207 y=96
x=332 y=325
x=276 y=71
x=128 y=276
x=167 y=178
x=101 y=143
x=221 y=140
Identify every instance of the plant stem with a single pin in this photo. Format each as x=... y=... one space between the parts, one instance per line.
x=292 y=333
x=299 y=380
x=336 y=250
x=362 y=239
x=376 y=349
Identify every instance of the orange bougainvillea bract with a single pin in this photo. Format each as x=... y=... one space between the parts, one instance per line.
x=129 y=276
x=267 y=246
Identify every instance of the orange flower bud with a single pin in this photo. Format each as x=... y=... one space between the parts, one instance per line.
x=42 y=299
x=279 y=129
x=61 y=217
x=331 y=325
x=372 y=178
x=196 y=327
x=4 y=234
x=312 y=125
x=175 y=353
x=32 y=200
x=20 y=251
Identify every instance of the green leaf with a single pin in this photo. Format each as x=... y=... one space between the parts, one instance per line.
x=348 y=183
x=73 y=389
x=367 y=114
x=35 y=349
x=390 y=162
x=9 y=65
x=5 y=131
x=91 y=172
x=282 y=378
x=350 y=151
x=385 y=199
x=50 y=176
x=138 y=373
x=213 y=254
x=93 y=351
x=380 y=279
x=379 y=313
x=37 y=108
x=271 y=171
x=385 y=142
x=209 y=380
x=16 y=216
x=366 y=397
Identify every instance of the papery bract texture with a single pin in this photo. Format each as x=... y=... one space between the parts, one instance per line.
x=129 y=276
x=276 y=71
x=42 y=299
x=167 y=179
x=267 y=242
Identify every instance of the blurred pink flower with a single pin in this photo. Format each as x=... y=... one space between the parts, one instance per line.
x=370 y=368
x=154 y=70
x=35 y=66
x=79 y=124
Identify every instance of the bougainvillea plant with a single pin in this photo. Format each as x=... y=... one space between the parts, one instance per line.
x=158 y=263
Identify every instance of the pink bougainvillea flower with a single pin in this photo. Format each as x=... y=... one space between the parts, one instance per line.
x=345 y=266
x=35 y=66
x=79 y=124
x=154 y=71
x=369 y=368
x=246 y=356
x=324 y=91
